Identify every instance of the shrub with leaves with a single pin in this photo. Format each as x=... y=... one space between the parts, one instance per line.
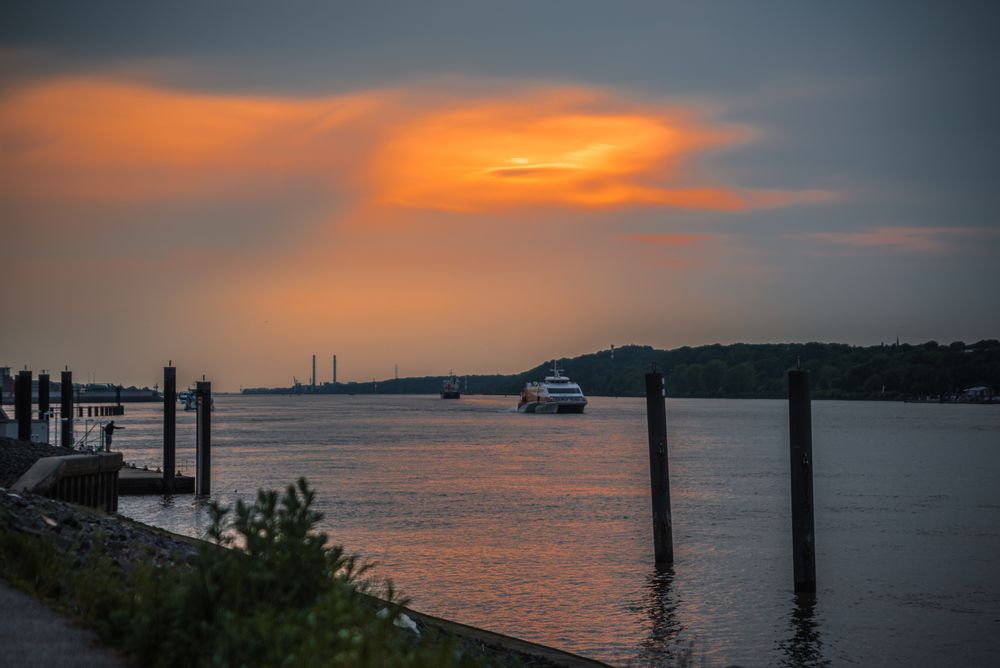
x=281 y=597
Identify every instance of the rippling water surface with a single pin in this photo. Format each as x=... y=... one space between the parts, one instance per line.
x=539 y=526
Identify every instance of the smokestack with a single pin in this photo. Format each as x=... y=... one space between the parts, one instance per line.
x=335 y=369
x=314 y=372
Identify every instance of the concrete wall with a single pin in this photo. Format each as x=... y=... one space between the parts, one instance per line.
x=89 y=480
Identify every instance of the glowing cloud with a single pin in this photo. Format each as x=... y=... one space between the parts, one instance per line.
x=566 y=147
x=111 y=141
x=101 y=140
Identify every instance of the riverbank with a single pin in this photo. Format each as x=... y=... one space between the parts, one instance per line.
x=73 y=557
x=735 y=371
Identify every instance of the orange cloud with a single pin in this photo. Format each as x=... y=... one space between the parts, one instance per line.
x=568 y=147
x=97 y=140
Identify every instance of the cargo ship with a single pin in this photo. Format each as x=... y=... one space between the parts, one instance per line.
x=450 y=387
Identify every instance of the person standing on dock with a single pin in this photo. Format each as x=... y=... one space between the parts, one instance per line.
x=109 y=430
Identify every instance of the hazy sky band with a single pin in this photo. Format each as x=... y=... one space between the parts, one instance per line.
x=240 y=186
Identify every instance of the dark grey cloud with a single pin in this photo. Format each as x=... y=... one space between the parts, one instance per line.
x=669 y=46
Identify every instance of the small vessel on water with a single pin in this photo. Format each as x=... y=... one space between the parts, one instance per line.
x=450 y=388
x=555 y=394
x=189 y=398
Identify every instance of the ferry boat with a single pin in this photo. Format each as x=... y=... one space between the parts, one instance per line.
x=189 y=398
x=450 y=388
x=556 y=394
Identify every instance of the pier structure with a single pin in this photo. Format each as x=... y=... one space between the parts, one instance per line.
x=801 y=463
x=659 y=469
x=203 y=445
x=169 y=427
x=66 y=408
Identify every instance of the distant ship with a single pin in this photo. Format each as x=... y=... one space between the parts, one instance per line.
x=189 y=398
x=92 y=393
x=556 y=394
x=450 y=388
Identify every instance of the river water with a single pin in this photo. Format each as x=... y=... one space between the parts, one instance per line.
x=539 y=526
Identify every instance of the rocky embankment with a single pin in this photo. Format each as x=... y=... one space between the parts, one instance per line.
x=81 y=532
x=16 y=457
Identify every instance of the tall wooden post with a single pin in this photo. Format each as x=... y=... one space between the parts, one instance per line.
x=169 y=427
x=203 y=452
x=66 y=408
x=801 y=462
x=659 y=468
x=22 y=404
x=43 y=396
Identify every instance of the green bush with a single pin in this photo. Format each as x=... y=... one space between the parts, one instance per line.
x=281 y=598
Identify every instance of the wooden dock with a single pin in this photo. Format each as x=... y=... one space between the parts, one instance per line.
x=137 y=482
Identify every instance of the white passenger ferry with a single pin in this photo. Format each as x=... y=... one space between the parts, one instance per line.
x=556 y=394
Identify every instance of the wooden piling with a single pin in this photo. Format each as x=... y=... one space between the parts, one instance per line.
x=169 y=428
x=66 y=409
x=659 y=469
x=43 y=396
x=22 y=404
x=203 y=452
x=801 y=462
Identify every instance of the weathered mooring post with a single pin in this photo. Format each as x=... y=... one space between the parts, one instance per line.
x=66 y=408
x=801 y=461
x=203 y=451
x=43 y=396
x=22 y=404
x=659 y=468
x=169 y=427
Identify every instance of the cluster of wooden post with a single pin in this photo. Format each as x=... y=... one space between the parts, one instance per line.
x=800 y=455
x=203 y=431
x=23 y=402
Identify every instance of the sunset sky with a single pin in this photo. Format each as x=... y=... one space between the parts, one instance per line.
x=483 y=186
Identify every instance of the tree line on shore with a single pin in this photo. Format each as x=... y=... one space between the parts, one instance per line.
x=740 y=370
